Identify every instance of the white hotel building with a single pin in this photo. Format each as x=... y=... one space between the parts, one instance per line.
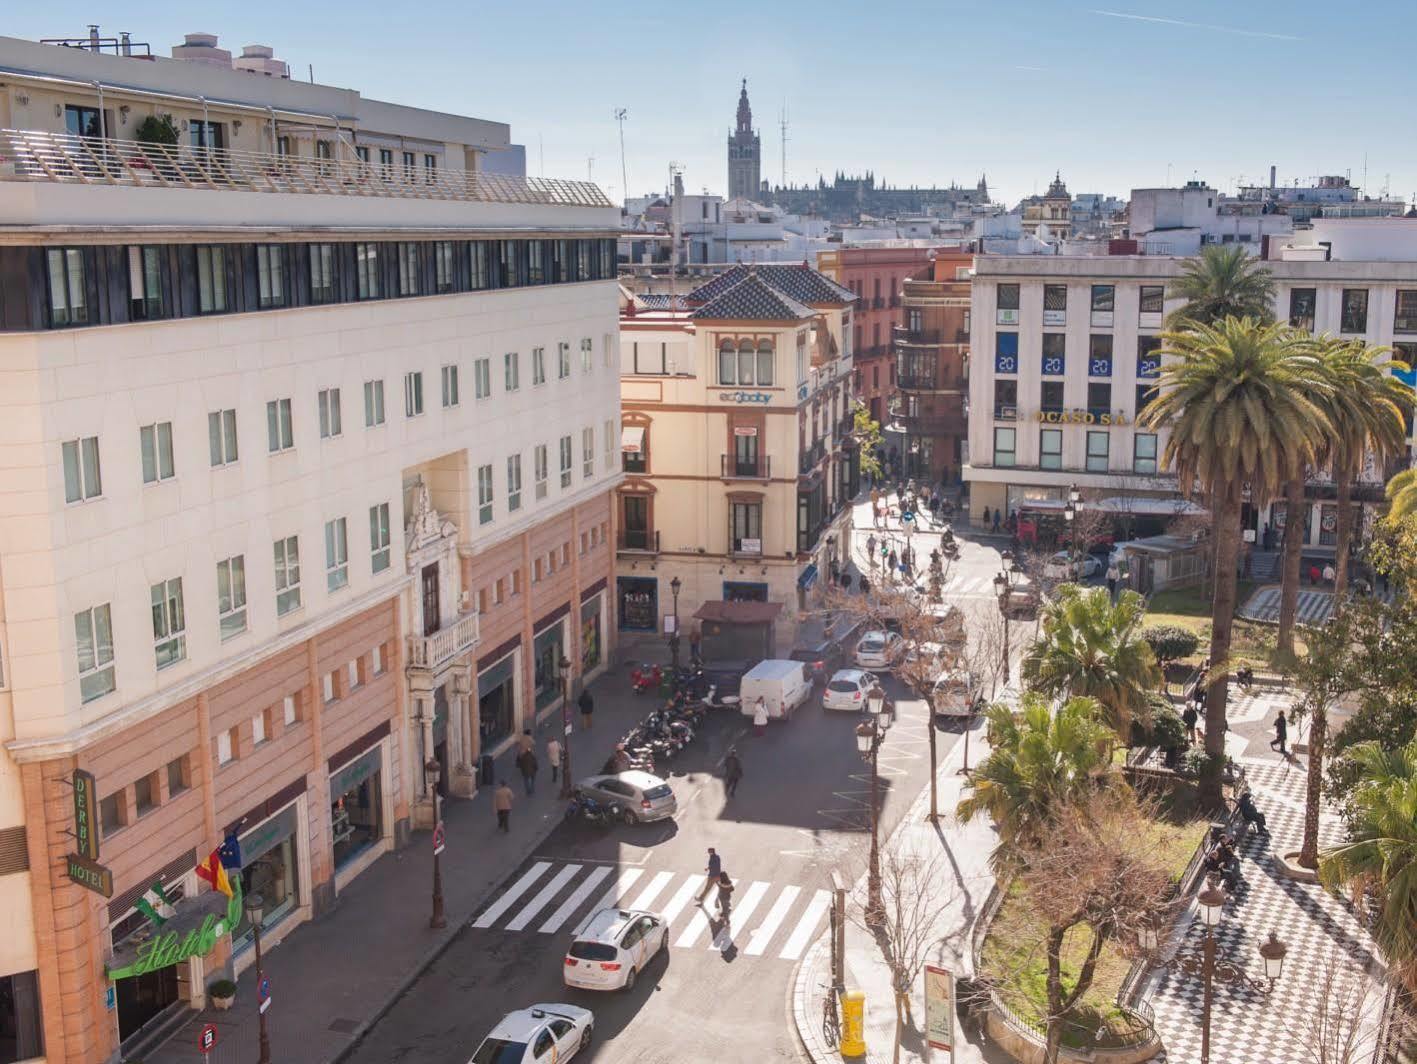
x=309 y=428
x=1063 y=353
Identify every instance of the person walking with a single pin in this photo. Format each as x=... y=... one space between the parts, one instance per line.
x=527 y=766
x=502 y=802
x=997 y=522
x=862 y=583
x=871 y=550
x=1189 y=716
x=1281 y=735
x=725 y=895
x=760 y=716
x=892 y=561
x=553 y=756
x=696 y=641
x=732 y=772
x=524 y=741
x=1315 y=574
x=1113 y=575
x=712 y=870
x=587 y=707
x=985 y=517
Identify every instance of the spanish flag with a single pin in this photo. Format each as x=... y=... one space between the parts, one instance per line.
x=214 y=873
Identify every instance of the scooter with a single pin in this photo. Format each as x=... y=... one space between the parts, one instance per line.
x=645 y=678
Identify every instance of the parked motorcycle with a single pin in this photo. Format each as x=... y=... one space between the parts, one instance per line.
x=583 y=807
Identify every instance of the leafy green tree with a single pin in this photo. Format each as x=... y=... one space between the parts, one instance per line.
x=1380 y=857
x=1040 y=762
x=1238 y=401
x=1223 y=281
x=1091 y=648
x=156 y=129
x=867 y=434
x=1402 y=494
x=1169 y=643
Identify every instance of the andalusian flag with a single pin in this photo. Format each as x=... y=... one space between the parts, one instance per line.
x=155 y=905
x=214 y=872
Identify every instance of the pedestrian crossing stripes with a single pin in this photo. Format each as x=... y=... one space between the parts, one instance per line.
x=552 y=896
x=1313 y=606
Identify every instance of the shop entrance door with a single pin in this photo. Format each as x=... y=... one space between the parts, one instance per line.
x=143 y=998
x=431 y=612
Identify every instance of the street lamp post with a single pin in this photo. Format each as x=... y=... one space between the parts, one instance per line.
x=433 y=772
x=1071 y=513
x=674 y=587
x=1210 y=965
x=254 y=905
x=869 y=734
x=564 y=667
x=1003 y=583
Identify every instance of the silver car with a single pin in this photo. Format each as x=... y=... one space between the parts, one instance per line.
x=640 y=796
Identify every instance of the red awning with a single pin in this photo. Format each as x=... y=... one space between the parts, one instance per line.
x=739 y=612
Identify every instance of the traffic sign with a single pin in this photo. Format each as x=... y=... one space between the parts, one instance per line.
x=437 y=839
x=206 y=1041
x=263 y=992
x=907 y=516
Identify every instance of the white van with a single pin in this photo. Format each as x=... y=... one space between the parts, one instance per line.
x=782 y=685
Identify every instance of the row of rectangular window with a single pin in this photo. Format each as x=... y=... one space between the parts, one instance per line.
x=93 y=628
x=1053 y=359
x=1152 y=300
x=173 y=281
x=1050 y=399
x=83 y=479
x=1050 y=450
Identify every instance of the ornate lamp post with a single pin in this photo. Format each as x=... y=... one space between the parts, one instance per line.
x=674 y=586
x=1212 y=966
x=564 y=668
x=1070 y=515
x=869 y=734
x=433 y=772
x=1003 y=585
x=254 y=906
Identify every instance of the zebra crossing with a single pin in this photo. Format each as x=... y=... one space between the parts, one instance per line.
x=1314 y=606
x=552 y=896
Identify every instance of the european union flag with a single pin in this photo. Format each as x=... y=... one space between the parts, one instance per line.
x=230 y=851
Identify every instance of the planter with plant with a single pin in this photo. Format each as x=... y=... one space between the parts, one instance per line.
x=221 y=993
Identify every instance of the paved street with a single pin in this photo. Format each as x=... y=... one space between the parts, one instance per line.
x=800 y=812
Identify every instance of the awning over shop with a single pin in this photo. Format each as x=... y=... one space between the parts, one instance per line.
x=808 y=577
x=1136 y=505
x=632 y=439
x=739 y=612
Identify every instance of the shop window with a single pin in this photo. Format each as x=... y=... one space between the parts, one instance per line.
x=548 y=648
x=496 y=702
x=21 y=1030
x=270 y=868
x=145 y=794
x=355 y=809
x=112 y=814
x=178 y=776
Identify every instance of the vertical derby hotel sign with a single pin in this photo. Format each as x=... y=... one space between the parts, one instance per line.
x=83 y=867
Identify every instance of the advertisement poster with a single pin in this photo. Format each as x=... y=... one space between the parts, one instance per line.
x=940 y=1009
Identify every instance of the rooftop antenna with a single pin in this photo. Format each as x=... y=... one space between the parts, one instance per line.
x=620 y=115
x=590 y=168
x=782 y=121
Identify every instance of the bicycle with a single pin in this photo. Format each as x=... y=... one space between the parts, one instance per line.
x=831 y=1020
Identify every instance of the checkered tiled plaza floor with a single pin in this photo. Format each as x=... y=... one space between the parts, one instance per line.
x=1246 y=1027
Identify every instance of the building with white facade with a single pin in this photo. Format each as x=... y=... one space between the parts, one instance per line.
x=311 y=435
x=1063 y=353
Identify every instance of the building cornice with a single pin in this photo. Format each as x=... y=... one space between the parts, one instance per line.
x=29 y=235
x=74 y=741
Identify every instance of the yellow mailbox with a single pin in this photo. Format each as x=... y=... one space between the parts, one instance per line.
x=853 y=1024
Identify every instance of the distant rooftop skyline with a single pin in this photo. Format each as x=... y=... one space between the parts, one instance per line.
x=1112 y=97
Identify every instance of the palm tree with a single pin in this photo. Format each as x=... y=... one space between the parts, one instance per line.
x=1366 y=409
x=1380 y=857
x=1402 y=494
x=1223 y=281
x=1092 y=648
x=1040 y=762
x=1238 y=401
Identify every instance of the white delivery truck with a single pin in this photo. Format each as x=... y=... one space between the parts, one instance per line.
x=782 y=685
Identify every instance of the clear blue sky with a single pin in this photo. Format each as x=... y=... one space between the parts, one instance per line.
x=1111 y=93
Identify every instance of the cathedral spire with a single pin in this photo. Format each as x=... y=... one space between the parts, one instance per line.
x=745 y=112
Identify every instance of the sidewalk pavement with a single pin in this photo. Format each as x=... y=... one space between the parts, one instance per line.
x=332 y=978
x=963 y=850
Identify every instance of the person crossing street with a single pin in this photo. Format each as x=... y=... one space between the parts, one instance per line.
x=712 y=870
x=732 y=772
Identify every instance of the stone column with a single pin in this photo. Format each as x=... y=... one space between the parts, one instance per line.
x=462 y=733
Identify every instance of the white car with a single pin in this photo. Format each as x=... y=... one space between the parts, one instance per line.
x=541 y=1034
x=847 y=689
x=956 y=694
x=879 y=650
x=610 y=951
x=1061 y=564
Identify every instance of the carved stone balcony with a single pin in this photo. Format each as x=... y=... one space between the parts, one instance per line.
x=437 y=649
